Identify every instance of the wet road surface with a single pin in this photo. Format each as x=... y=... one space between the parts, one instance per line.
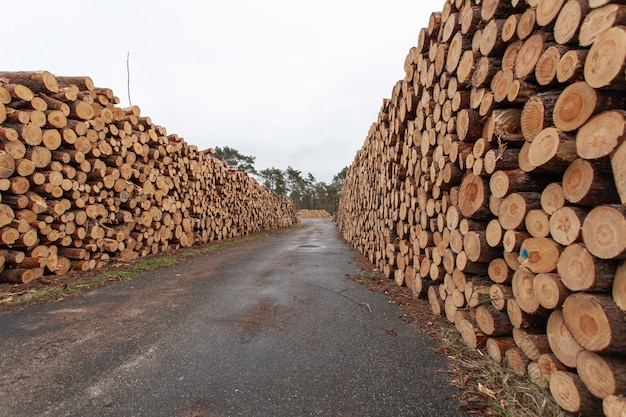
x=268 y=328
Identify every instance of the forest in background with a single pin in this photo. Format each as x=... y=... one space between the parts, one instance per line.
x=305 y=191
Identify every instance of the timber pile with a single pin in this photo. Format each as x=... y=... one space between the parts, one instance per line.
x=83 y=181
x=312 y=214
x=494 y=184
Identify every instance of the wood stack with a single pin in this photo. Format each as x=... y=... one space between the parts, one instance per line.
x=83 y=181
x=494 y=183
x=312 y=214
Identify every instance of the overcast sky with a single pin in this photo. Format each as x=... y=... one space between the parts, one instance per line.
x=291 y=83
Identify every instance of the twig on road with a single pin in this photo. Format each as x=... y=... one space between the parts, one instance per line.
x=344 y=295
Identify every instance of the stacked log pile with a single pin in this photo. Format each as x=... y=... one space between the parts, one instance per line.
x=494 y=183
x=311 y=214
x=83 y=180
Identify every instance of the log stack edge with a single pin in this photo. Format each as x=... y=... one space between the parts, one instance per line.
x=493 y=183
x=83 y=181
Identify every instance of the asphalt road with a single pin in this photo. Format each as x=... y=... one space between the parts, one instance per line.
x=268 y=328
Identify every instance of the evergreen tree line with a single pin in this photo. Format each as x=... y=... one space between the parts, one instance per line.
x=305 y=191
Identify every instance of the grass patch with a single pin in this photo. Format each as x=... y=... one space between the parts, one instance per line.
x=149 y=264
x=370 y=275
x=36 y=296
x=219 y=246
x=478 y=375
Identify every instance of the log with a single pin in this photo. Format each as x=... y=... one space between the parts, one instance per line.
x=569 y=20
x=435 y=302
x=514 y=207
x=552 y=198
x=547 y=65
x=513 y=239
x=529 y=54
x=614 y=405
x=470 y=333
x=477 y=249
x=504 y=182
x=497 y=347
x=491 y=42
x=537 y=222
x=526 y=23
x=596 y=322
x=539 y=255
x=604 y=232
x=585 y=183
x=473 y=201
x=524 y=293
x=535 y=375
x=37 y=81
x=469 y=125
x=580 y=271
x=499 y=294
x=493 y=322
x=618 y=163
x=571 y=66
x=605 y=63
x=516 y=361
x=499 y=272
x=601 y=134
x=566 y=224
x=18 y=275
x=549 y=290
x=537 y=114
x=570 y=393
x=548 y=363
x=619 y=286
x=496 y=8
x=579 y=101
x=493 y=233
x=533 y=344
x=602 y=375
x=562 y=343
x=552 y=150
x=547 y=11
x=599 y=20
